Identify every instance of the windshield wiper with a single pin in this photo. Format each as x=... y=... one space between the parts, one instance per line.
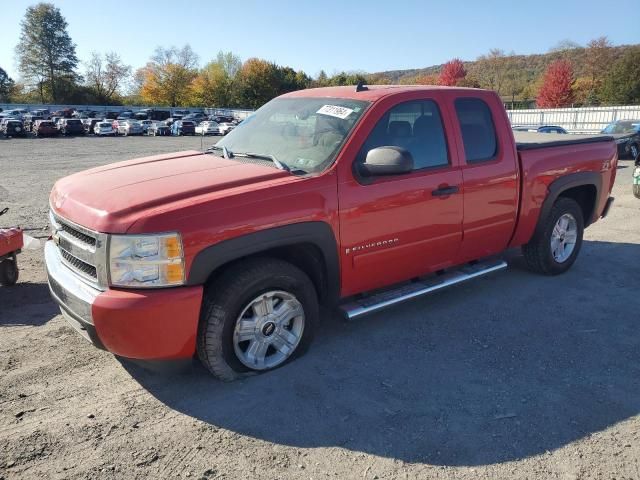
x=226 y=153
x=265 y=156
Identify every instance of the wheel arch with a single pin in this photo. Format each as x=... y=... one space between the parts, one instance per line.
x=583 y=187
x=310 y=246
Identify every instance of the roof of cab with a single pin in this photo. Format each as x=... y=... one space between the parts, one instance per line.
x=372 y=92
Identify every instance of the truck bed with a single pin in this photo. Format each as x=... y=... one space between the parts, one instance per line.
x=533 y=140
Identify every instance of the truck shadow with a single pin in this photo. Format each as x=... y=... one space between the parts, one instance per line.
x=17 y=306
x=495 y=370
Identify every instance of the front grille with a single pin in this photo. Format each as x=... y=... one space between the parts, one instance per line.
x=79 y=265
x=82 y=250
x=83 y=237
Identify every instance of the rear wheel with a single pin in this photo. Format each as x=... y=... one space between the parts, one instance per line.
x=557 y=241
x=8 y=272
x=256 y=317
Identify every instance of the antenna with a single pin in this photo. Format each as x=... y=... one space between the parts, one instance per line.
x=361 y=87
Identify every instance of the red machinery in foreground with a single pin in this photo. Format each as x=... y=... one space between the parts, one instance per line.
x=11 y=243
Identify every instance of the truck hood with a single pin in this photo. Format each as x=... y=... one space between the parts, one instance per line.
x=110 y=198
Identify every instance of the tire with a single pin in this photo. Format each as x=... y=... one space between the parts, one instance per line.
x=230 y=298
x=539 y=253
x=8 y=272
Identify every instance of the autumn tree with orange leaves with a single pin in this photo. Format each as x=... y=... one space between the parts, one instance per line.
x=557 y=86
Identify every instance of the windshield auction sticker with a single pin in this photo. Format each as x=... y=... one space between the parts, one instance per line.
x=335 y=111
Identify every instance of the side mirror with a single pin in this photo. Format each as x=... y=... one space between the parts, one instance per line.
x=387 y=161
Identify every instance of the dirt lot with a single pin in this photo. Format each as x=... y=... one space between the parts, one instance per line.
x=514 y=376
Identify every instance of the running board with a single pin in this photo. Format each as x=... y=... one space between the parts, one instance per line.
x=386 y=298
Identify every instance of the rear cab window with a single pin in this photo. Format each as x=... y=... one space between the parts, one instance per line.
x=478 y=130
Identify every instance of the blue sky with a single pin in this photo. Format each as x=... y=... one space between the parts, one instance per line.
x=330 y=34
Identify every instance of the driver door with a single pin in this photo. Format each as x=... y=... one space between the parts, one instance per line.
x=395 y=228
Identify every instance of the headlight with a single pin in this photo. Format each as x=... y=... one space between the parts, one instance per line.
x=146 y=260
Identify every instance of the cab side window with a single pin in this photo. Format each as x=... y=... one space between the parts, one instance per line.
x=415 y=126
x=478 y=130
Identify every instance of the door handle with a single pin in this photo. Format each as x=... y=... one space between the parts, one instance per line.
x=444 y=191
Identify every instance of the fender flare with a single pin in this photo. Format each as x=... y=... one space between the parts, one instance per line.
x=319 y=234
x=566 y=182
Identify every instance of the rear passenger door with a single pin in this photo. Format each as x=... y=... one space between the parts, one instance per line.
x=397 y=227
x=490 y=173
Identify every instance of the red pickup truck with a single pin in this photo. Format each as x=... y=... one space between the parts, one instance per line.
x=355 y=198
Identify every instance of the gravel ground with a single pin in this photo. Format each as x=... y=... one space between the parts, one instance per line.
x=513 y=376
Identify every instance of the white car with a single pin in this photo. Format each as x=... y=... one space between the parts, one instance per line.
x=226 y=127
x=104 y=128
x=208 y=128
x=129 y=127
x=146 y=124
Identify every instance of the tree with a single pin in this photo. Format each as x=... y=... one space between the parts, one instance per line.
x=452 y=72
x=322 y=80
x=46 y=55
x=598 y=57
x=106 y=75
x=6 y=86
x=564 y=45
x=556 y=90
x=257 y=83
x=515 y=80
x=212 y=87
x=490 y=69
x=622 y=84
x=168 y=76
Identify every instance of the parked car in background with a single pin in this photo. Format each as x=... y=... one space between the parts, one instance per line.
x=180 y=113
x=89 y=124
x=635 y=177
x=208 y=128
x=129 y=127
x=183 y=127
x=104 y=129
x=627 y=135
x=105 y=115
x=126 y=115
x=13 y=128
x=45 y=128
x=71 y=126
x=64 y=113
x=146 y=124
x=540 y=129
x=159 y=129
x=152 y=114
x=171 y=120
x=226 y=127
x=196 y=117
x=222 y=118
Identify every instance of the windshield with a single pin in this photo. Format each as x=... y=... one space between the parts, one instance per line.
x=622 y=127
x=302 y=133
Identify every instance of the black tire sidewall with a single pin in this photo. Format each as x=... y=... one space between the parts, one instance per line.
x=562 y=207
x=8 y=272
x=228 y=303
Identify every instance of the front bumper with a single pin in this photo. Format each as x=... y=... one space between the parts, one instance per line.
x=152 y=324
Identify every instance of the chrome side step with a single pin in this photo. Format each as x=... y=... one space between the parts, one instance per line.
x=386 y=298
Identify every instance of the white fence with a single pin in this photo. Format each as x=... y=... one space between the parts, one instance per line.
x=575 y=120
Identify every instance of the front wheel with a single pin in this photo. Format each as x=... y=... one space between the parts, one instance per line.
x=557 y=241
x=255 y=317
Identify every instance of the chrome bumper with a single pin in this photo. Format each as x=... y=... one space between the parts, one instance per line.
x=74 y=297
